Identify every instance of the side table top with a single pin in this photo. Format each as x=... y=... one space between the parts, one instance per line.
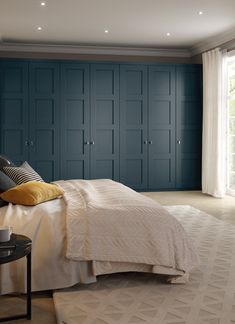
x=18 y=247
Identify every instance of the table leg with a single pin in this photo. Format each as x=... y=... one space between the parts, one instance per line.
x=28 y=315
x=29 y=296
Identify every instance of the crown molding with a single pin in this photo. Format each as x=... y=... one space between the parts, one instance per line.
x=225 y=40
x=92 y=49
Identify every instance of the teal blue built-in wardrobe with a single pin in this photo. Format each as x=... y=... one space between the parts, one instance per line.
x=139 y=124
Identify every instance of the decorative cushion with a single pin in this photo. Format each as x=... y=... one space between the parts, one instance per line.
x=32 y=193
x=22 y=174
x=5 y=182
x=4 y=161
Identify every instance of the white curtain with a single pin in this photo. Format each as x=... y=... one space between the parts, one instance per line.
x=214 y=123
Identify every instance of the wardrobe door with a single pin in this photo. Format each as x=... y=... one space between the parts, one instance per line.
x=75 y=114
x=189 y=126
x=133 y=126
x=14 y=110
x=104 y=141
x=45 y=119
x=161 y=121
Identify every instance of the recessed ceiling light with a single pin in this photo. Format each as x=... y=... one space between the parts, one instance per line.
x=200 y=13
x=168 y=34
x=43 y=3
x=106 y=31
x=39 y=28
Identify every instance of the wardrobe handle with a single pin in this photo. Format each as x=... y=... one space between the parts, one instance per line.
x=31 y=143
x=178 y=142
x=150 y=142
x=92 y=143
x=145 y=142
x=26 y=143
x=86 y=143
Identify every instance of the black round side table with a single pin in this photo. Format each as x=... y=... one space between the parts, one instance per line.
x=18 y=247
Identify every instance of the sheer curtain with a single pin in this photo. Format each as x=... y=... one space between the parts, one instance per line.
x=214 y=123
x=231 y=125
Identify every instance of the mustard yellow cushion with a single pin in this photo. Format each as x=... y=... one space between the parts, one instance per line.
x=32 y=193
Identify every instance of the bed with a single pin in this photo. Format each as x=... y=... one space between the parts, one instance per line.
x=96 y=227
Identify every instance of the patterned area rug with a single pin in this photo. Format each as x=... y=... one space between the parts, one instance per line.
x=208 y=297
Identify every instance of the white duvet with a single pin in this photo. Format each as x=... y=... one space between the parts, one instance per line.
x=100 y=226
x=45 y=225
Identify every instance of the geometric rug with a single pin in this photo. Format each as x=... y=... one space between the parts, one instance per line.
x=208 y=297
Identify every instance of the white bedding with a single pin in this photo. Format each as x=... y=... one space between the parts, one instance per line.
x=45 y=225
x=107 y=221
x=120 y=209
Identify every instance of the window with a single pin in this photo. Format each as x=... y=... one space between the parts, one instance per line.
x=231 y=127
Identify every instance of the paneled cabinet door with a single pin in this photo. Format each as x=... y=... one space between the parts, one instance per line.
x=133 y=126
x=14 y=110
x=75 y=114
x=104 y=140
x=189 y=126
x=161 y=120
x=44 y=113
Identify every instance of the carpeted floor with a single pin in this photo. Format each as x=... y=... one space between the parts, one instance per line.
x=209 y=297
x=42 y=308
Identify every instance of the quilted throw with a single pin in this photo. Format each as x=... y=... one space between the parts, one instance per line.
x=107 y=221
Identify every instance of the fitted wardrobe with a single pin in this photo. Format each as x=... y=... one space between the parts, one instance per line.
x=139 y=124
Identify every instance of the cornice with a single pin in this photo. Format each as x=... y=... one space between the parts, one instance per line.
x=224 y=40
x=92 y=49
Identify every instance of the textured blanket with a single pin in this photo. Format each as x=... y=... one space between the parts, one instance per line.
x=107 y=221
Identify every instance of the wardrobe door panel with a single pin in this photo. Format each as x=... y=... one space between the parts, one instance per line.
x=161 y=121
x=45 y=119
x=140 y=124
x=75 y=136
x=133 y=126
x=14 y=110
x=189 y=127
x=104 y=140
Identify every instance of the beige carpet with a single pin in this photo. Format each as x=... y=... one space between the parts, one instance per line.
x=42 y=308
x=209 y=297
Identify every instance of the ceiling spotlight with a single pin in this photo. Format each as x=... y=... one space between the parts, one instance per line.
x=39 y=28
x=43 y=3
x=200 y=13
x=106 y=31
x=168 y=34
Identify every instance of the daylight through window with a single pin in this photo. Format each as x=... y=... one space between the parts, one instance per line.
x=231 y=126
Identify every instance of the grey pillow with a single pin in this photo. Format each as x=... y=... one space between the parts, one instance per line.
x=4 y=161
x=5 y=182
x=3 y=203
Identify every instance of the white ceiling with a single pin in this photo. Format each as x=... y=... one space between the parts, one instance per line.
x=132 y=23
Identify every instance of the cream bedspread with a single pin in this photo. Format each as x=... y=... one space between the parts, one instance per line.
x=107 y=221
x=47 y=225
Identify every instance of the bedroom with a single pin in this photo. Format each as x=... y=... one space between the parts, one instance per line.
x=82 y=105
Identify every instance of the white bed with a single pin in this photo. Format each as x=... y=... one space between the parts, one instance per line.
x=90 y=232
